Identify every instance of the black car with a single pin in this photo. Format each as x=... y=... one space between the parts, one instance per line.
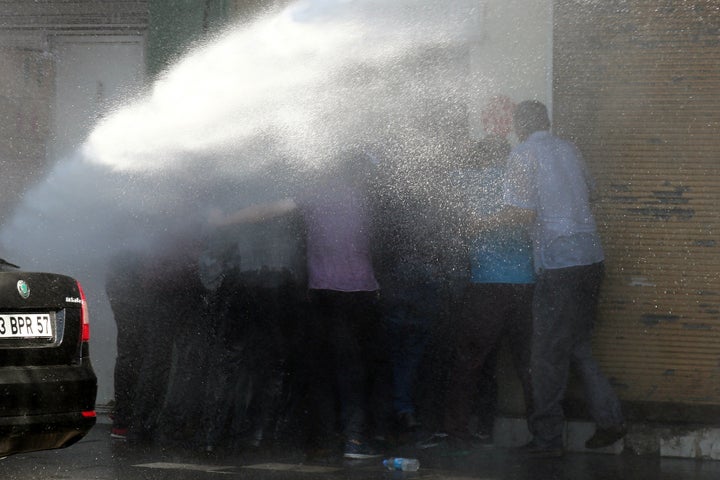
x=47 y=383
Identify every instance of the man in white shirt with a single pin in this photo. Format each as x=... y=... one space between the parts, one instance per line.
x=549 y=187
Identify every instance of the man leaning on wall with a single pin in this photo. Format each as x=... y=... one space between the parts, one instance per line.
x=548 y=187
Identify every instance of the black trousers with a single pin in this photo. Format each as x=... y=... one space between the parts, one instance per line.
x=564 y=309
x=246 y=364
x=163 y=318
x=130 y=323
x=490 y=312
x=357 y=349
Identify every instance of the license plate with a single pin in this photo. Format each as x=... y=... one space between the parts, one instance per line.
x=26 y=325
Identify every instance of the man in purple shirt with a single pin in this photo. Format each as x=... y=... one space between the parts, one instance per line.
x=342 y=287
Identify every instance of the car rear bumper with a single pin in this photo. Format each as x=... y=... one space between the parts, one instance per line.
x=45 y=407
x=45 y=390
x=42 y=432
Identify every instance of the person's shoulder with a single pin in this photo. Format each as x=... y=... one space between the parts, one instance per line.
x=522 y=150
x=564 y=140
x=568 y=145
x=547 y=139
x=549 y=136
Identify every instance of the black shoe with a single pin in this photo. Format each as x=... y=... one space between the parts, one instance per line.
x=455 y=447
x=432 y=441
x=482 y=439
x=359 y=450
x=407 y=421
x=447 y=445
x=604 y=437
x=537 y=450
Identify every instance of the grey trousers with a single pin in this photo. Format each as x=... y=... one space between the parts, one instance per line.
x=564 y=309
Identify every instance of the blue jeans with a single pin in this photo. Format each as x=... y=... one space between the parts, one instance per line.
x=408 y=314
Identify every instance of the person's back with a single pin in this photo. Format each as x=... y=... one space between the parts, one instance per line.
x=555 y=184
x=338 y=244
x=563 y=182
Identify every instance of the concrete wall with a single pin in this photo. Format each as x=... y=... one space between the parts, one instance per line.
x=513 y=55
x=27 y=79
x=26 y=92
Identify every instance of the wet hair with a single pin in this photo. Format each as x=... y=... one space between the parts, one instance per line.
x=530 y=116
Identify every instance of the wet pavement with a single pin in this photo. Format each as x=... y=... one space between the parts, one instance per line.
x=99 y=457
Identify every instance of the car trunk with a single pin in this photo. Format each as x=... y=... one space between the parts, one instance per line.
x=40 y=373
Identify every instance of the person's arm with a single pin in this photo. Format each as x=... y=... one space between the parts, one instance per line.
x=519 y=198
x=253 y=213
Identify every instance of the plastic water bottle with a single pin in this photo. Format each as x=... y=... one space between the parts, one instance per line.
x=402 y=464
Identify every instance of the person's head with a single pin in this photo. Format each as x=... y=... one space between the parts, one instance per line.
x=530 y=116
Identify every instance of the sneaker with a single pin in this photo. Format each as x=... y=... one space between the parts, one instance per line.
x=536 y=450
x=119 y=433
x=604 y=437
x=453 y=446
x=359 y=450
x=432 y=441
x=482 y=439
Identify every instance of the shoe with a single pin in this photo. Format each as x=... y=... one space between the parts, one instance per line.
x=454 y=446
x=407 y=421
x=536 y=450
x=119 y=433
x=482 y=439
x=432 y=441
x=446 y=445
x=359 y=450
x=604 y=437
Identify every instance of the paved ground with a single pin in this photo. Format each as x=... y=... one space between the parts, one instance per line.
x=99 y=457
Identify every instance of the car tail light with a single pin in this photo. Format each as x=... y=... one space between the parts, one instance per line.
x=88 y=414
x=84 y=316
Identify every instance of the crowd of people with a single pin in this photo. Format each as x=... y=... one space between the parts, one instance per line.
x=354 y=310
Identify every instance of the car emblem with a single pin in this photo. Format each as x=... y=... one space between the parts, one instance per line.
x=23 y=289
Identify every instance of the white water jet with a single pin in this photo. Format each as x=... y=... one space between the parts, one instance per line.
x=297 y=85
x=316 y=77
x=274 y=99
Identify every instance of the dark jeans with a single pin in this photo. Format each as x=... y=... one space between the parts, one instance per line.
x=130 y=324
x=490 y=312
x=181 y=419
x=486 y=405
x=155 y=366
x=409 y=311
x=247 y=363
x=357 y=346
x=564 y=309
